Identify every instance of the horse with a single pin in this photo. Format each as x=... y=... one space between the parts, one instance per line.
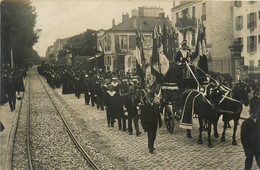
x=204 y=109
x=230 y=107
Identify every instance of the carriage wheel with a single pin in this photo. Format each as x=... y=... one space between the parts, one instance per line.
x=168 y=119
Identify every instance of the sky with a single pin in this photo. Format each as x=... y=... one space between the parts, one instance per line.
x=66 y=18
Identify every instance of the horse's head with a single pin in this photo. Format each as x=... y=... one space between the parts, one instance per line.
x=240 y=92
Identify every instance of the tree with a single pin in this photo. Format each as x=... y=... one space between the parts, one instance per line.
x=18 y=19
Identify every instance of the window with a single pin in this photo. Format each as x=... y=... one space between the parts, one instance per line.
x=185 y=12
x=259 y=39
x=177 y=16
x=123 y=41
x=147 y=41
x=237 y=3
x=258 y=63
x=251 y=2
x=193 y=12
x=251 y=44
x=239 y=22
x=108 y=60
x=258 y=14
x=240 y=41
x=251 y=63
x=251 y=20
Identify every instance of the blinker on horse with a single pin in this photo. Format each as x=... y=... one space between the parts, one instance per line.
x=230 y=107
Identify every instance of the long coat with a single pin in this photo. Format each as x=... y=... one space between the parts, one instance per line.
x=250 y=135
x=150 y=116
x=11 y=89
x=131 y=104
x=110 y=101
x=179 y=56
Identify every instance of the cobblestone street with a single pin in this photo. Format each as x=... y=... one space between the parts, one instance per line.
x=172 y=151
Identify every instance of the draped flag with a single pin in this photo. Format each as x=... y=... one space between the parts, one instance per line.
x=140 y=60
x=200 y=56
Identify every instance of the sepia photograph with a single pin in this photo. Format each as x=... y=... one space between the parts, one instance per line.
x=130 y=84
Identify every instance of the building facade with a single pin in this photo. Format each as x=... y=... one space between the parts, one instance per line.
x=219 y=29
x=246 y=26
x=119 y=42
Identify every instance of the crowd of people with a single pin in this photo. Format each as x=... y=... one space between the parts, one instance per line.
x=114 y=92
x=12 y=83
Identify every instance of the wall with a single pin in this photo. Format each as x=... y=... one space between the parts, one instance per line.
x=245 y=9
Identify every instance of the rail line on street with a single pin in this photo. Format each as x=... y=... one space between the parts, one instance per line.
x=72 y=136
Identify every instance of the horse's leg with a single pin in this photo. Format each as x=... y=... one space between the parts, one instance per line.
x=215 y=124
x=223 y=139
x=189 y=133
x=209 y=132
x=200 y=130
x=234 y=142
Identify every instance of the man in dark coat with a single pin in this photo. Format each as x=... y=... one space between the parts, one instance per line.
x=120 y=111
x=131 y=102
x=250 y=133
x=110 y=101
x=11 y=89
x=86 y=90
x=150 y=117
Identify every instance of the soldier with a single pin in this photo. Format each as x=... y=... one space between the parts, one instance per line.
x=131 y=101
x=250 y=133
x=150 y=117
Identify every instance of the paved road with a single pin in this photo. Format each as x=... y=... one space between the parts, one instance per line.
x=172 y=151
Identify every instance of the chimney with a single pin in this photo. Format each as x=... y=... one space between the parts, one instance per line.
x=113 y=22
x=161 y=15
x=125 y=17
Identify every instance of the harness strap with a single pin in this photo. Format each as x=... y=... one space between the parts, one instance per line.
x=193 y=74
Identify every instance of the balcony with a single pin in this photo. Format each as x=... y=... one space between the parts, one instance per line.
x=186 y=23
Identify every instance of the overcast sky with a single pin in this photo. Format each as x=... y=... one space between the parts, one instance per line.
x=65 y=18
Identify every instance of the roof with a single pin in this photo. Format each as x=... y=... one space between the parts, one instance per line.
x=141 y=22
x=184 y=3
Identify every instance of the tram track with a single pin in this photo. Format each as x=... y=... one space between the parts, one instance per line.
x=71 y=134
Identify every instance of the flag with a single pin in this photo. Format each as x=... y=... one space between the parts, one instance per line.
x=200 y=56
x=140 y=63
x=163 y=61
x=155 y=55
x=164 y=40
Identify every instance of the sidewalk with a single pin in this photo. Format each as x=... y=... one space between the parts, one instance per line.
x=9 y=120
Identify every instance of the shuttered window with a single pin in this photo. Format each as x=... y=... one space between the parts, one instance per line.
x=240 y=41
x=239 y=22
x=251 y=44
x=117 y=42
x=251 y=20
x=132 y=41
x=237 y=3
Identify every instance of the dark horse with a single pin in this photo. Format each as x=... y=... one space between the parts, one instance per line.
x=203 y=109
x=230 y=107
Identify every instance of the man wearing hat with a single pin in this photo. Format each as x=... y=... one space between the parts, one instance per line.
x=250 y=133
x=183 y=54
x=150 y=118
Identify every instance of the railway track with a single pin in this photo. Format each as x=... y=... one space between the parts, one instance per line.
x=72 y=136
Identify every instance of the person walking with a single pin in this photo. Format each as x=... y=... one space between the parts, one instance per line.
x=250 y=133
x=11 y=89
x=150 y=118
x=110 y=102
x=130 y=103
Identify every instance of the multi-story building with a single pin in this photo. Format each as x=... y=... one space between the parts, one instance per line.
x=50 y=50
x=246 y=17
x=218 y=21
x=119 y=42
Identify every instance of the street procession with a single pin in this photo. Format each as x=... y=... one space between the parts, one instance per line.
x=168 y=84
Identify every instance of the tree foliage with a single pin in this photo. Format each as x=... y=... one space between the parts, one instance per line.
x=18 y=19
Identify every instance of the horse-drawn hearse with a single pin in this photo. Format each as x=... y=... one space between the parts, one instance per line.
x=185 y=94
